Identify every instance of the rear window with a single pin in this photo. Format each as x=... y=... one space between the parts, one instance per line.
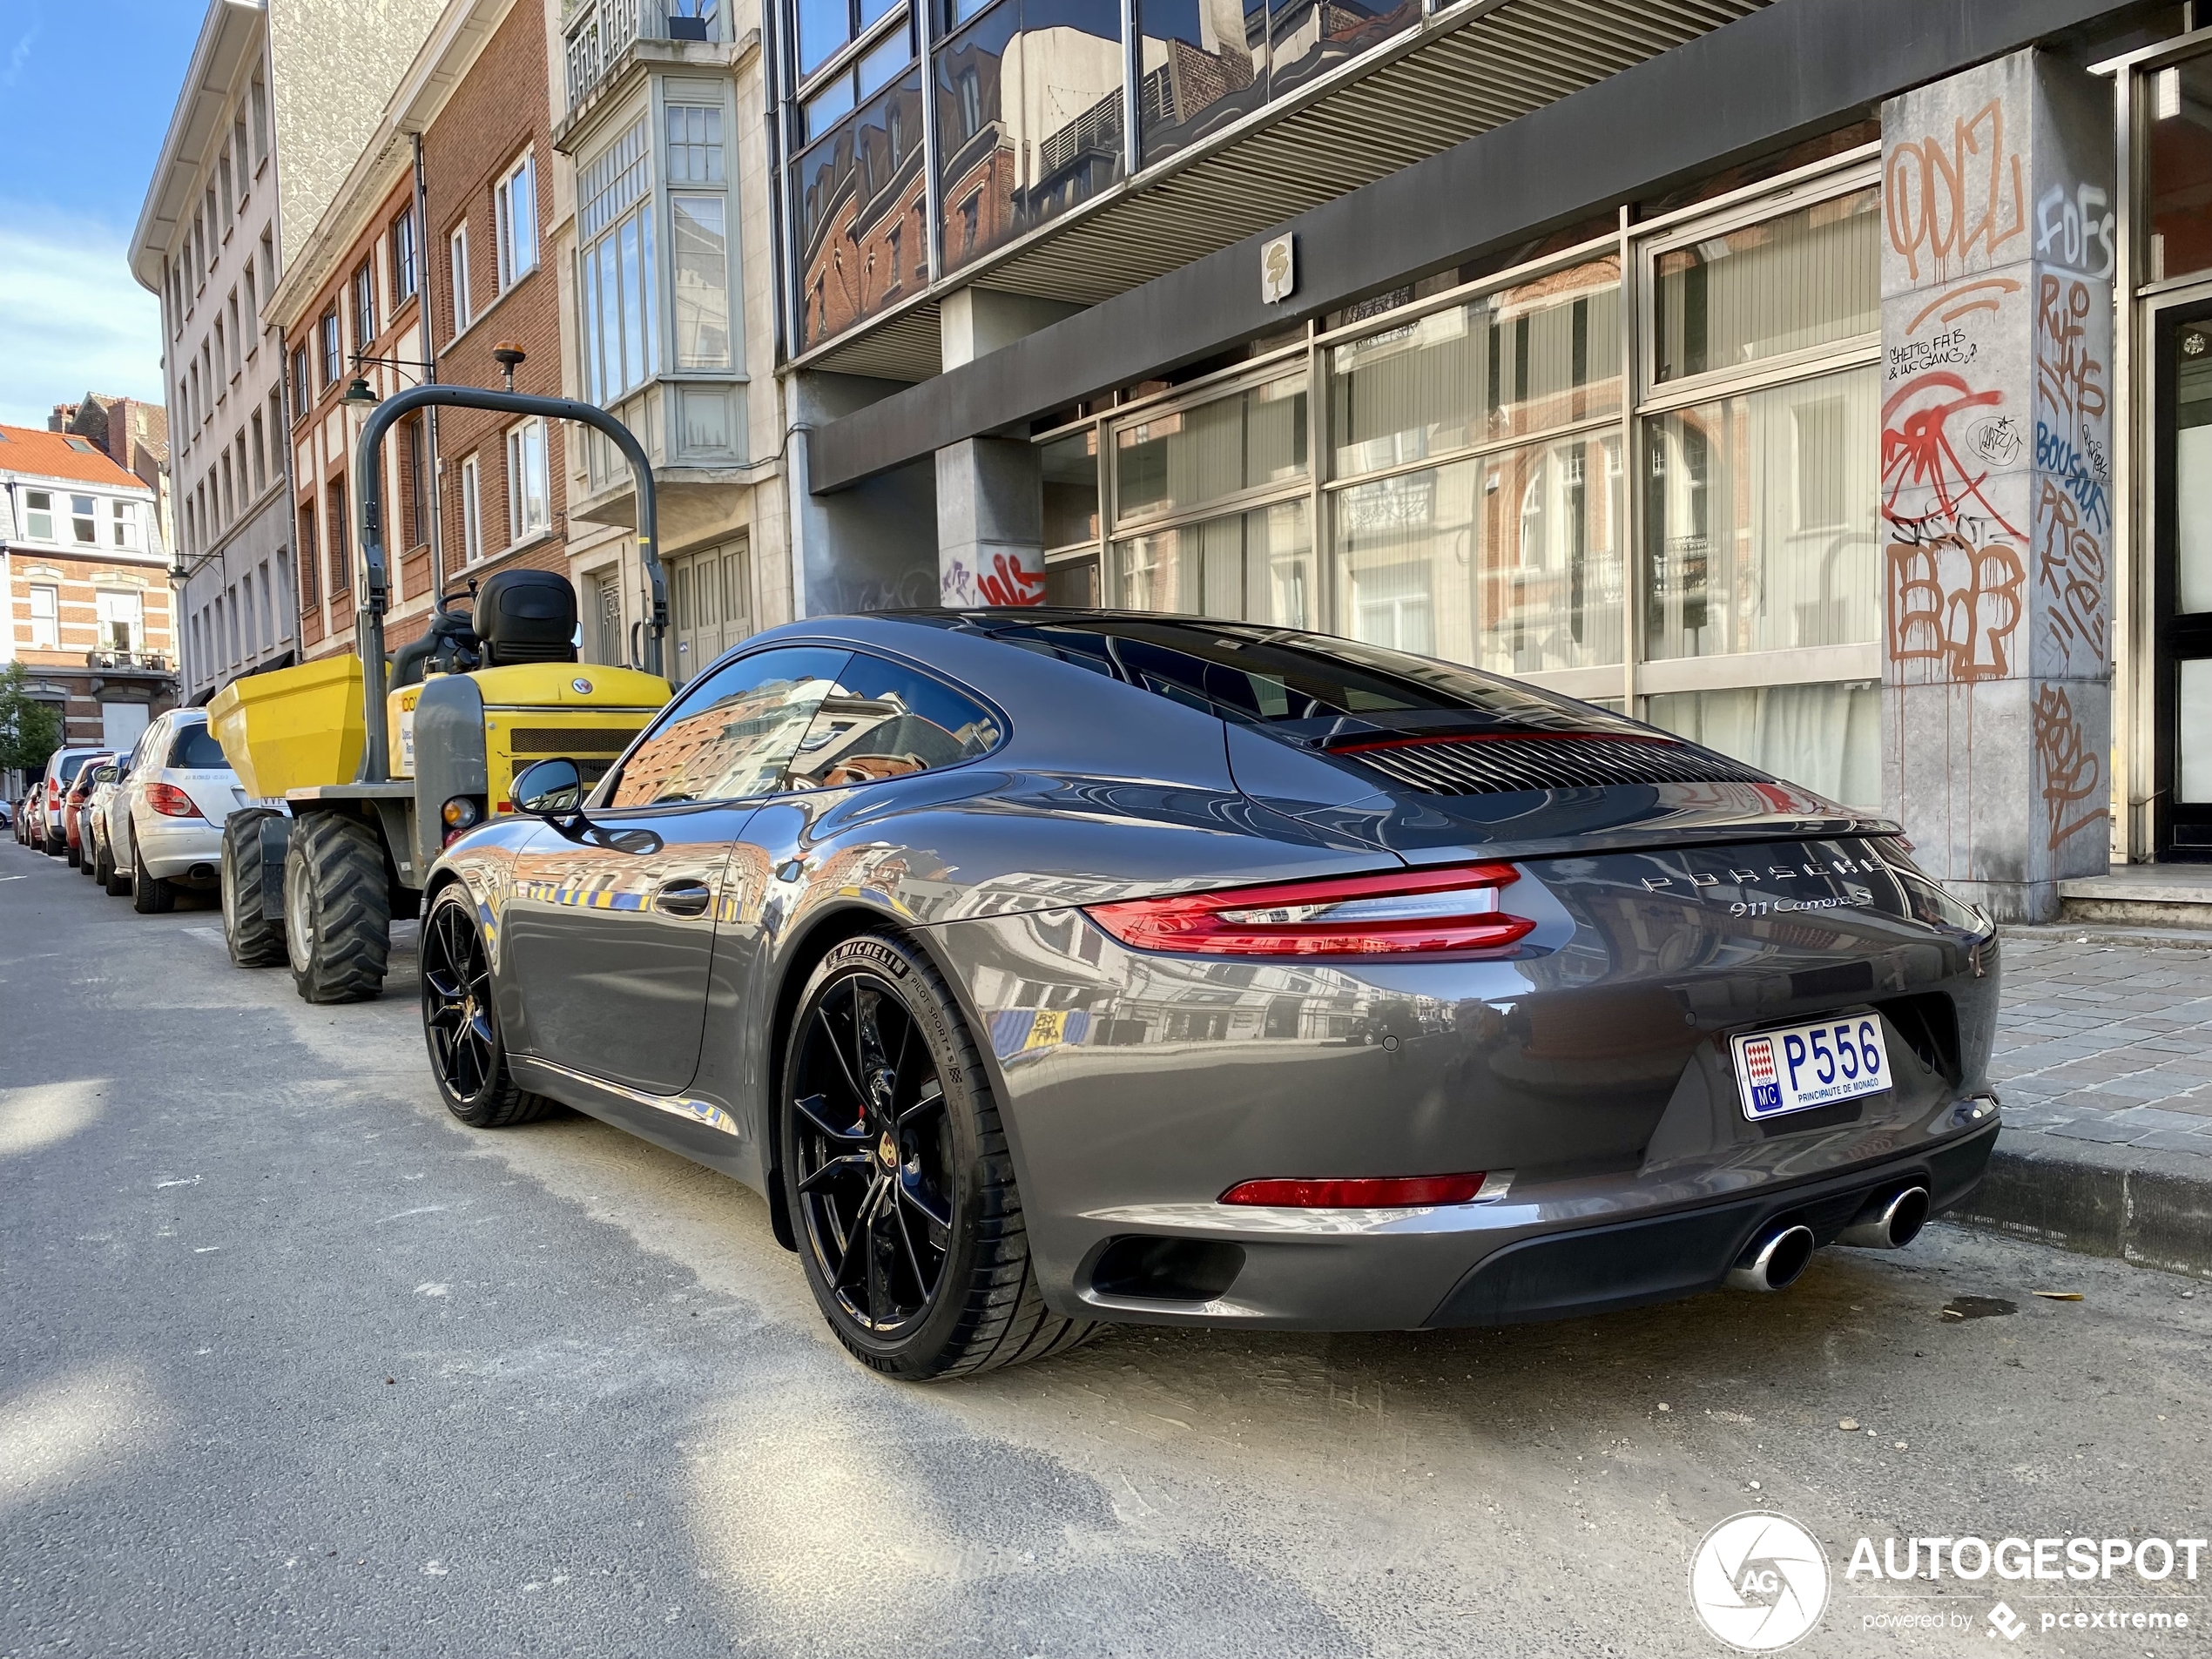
x=195 y=748
x=68 y=766
x=1307 y=684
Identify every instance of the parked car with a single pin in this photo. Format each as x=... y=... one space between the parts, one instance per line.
x=61 y=772
x=91 y=832
x=73 y=799
x=1045 y=968
x=165 y=823
x=7 y=815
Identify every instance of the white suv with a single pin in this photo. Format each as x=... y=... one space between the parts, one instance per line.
x=164 y=821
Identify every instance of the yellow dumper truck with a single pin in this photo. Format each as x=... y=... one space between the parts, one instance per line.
x=355 y=789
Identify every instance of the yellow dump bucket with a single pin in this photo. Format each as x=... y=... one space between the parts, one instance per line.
x=292 y=728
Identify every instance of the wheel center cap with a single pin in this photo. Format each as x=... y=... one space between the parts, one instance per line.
x=888 y=1149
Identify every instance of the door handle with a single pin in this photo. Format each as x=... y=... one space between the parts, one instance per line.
x=687 y=898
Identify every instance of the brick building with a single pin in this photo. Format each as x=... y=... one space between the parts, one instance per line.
x=431 y=254
x=349 y=309
x=84 y=569
x=272 y=110
x=484 y=112
x=133 y=433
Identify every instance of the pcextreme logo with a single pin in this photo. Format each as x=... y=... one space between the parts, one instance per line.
x=1759 y=1582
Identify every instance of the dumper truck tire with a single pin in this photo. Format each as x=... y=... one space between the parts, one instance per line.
x=252 y=938
x=337 y=910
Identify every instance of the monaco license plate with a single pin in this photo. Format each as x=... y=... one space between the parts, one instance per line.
x=1799 y=1067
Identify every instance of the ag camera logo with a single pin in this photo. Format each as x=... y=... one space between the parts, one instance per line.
x=1759 y=1582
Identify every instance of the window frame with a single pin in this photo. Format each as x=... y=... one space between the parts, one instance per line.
x=362 y=291
x=457 y=278
x=518 y=183
x=472 y=516
x=406 y=257
x=52 y=619
x=330 y=346
x=521 y=459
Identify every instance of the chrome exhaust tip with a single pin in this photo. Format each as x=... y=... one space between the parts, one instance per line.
x=1891 y=1224
x=1775 y=1262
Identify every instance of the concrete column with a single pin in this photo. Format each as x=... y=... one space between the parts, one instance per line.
x=974 y=322
x=1997 y=320
x=990 y=523
x=871 y=547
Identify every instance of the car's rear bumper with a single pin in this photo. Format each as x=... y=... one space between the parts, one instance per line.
x=188 y=850
x=1554 y=1252
x=1630 y=1263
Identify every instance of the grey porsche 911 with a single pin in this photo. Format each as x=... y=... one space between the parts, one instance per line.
x=1047 y=968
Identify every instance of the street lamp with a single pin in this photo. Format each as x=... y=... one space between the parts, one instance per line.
x=360 y=396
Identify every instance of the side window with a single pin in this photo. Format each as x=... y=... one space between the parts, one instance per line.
x=881 y=720
x=732 y=731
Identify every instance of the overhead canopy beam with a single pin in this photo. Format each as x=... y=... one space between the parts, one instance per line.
x=1795 y=69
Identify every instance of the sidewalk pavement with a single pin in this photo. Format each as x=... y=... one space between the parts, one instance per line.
x=2104 y=1062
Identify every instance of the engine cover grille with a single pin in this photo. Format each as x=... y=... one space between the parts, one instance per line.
x=1490 y=766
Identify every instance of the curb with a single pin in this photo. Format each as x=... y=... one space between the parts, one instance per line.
x=2100 y=1200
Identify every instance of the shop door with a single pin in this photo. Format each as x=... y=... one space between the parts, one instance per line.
x=2182 y=816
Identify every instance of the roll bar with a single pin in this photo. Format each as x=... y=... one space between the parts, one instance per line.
x=368 y=622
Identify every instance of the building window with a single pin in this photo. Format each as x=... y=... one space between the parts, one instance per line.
x=515 y=212
x=342 y=561
x=238 y=149
x=364 y=305
x=84 y=520
x=472 y=521
x=122 y=618
x=694 y=144
x=413 y=485
x=250 y=340
x=45 y=617
x=327 y=343
x=276 y=427
x=616 y=282
x=404 y=273
x=260 y=102
x=125 y=525
x=458 y=260
x=310 y=589
x=38 y=515
x=530 y=510
x=699 y=256
x=223 y=172
x=301 y=390
x=260 y=460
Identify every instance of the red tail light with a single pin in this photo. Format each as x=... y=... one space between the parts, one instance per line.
x=1455 y=909
x=1383 y=1193
x=171 y=801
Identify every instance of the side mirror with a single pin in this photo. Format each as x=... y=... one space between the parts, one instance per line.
x=549 y=788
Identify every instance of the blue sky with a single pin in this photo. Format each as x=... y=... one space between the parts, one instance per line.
x=86 y=88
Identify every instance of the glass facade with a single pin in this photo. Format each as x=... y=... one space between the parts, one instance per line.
x=1026 y=109
x=1686 y=530
x=1029 y=108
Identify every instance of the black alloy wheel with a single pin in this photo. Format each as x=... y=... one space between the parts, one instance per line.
x=459 y=1023
x=875 y=1162
x=897 y=1176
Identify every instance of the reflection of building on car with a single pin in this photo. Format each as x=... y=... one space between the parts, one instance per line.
x=858 y=739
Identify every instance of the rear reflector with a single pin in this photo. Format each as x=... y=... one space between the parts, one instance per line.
x=1455 y=909
x=1394 y=1192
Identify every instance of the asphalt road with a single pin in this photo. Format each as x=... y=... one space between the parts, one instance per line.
x=291 y=1364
